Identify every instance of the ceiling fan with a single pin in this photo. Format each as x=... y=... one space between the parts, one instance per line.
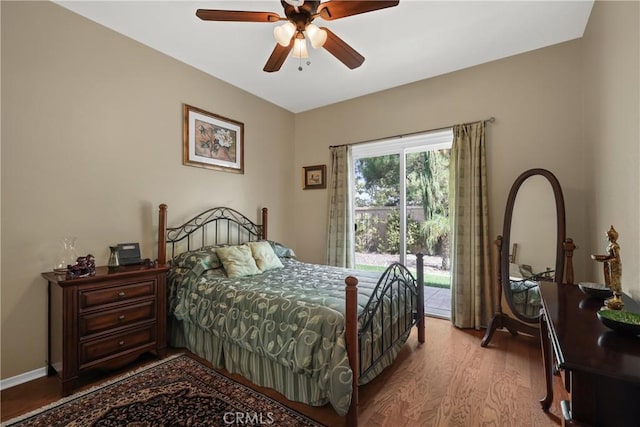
x=299 y=15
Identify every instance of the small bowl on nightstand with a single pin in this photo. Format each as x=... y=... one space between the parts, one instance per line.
x=596 y=290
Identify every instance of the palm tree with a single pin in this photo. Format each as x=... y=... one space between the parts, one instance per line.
x=433 y=183
x=435 y=232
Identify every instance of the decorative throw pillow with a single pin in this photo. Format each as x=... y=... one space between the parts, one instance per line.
x=526 y=271
x=281 y=250
x=265 y=257
x=237 y=261
x=205 y=256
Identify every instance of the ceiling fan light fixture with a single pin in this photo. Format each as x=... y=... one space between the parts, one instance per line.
x=283 y=33
x=317 y=36
x=300 y=48
x=297 y=27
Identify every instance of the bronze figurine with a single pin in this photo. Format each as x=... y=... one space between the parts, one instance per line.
x=612 y=270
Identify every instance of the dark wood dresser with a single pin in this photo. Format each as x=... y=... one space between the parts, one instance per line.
x=105 y=321
x=601 y=366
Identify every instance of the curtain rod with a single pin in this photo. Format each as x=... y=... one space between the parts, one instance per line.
x=489 y=120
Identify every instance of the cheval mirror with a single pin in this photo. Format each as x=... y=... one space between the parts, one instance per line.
x=531 y=249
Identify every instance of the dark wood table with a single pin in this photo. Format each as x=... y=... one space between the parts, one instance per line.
x=601 y=366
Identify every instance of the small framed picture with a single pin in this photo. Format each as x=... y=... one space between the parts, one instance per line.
x=314 y=177
x=212 y=141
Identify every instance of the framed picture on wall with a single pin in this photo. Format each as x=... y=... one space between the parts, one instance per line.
x=212 y=141
x=314 y=177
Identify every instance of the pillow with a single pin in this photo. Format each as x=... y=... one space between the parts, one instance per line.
x=237 y=261
x=205 y=256
x=526 y=271
x=281 y=250
x=265 y=257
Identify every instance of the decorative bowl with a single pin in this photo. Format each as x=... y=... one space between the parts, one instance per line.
x=620 y=320
x=597 y=290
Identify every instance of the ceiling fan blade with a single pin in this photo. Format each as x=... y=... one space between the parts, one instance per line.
x=341 y=50
x=236 y=15
x=278 y=56
x=335 y=9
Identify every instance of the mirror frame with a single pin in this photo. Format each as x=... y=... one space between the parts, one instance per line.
x=506 y=236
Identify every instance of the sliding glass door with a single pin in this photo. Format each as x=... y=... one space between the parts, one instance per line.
x=401 y=203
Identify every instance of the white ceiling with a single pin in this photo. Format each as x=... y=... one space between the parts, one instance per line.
x=412 y=41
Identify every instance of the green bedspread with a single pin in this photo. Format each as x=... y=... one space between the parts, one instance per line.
x=283 y=328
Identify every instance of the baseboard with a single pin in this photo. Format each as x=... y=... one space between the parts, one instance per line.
x=23 y=378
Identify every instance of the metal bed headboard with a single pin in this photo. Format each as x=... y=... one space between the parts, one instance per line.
x=214 y=226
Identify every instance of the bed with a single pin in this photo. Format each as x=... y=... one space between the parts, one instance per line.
x=314 y=333
x=525 y=288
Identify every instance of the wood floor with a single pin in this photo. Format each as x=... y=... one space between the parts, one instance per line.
x=448 y=381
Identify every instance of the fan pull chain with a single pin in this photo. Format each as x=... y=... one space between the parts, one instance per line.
x=300 y=63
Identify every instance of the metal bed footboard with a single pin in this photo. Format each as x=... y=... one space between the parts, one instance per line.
x=395 y=280
x=400 y=293
x=396 y=288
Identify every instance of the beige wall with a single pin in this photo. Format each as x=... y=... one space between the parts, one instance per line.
x=612 y=130
x=92 y=143
x=536 y=100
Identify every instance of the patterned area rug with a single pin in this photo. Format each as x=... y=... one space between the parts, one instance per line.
x=176 y=391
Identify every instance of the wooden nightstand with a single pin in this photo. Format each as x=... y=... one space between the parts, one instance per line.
x=106 y=320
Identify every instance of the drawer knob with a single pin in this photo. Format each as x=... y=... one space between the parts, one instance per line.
x=121 y=317
x=121 y=343
x=121 y=294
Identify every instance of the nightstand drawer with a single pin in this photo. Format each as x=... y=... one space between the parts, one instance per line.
x=96 y=297
x=98 y=349
x=122 y=316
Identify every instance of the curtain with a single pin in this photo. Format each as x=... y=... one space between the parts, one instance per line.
x=472 y=294
x=340 y=232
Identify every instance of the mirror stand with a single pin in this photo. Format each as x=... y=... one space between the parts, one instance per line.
x=502 y=320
